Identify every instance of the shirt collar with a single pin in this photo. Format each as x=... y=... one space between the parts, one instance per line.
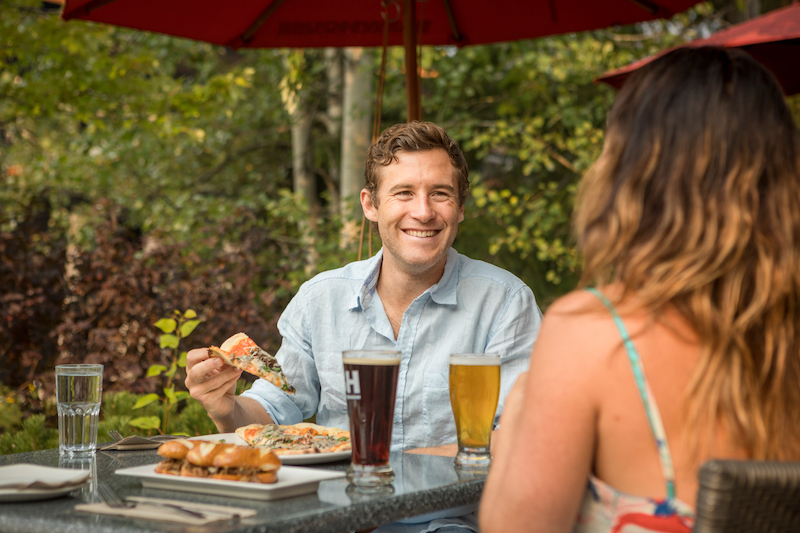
x=444 y=292
x=371 y=270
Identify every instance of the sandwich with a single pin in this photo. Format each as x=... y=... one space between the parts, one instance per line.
x=212 y=460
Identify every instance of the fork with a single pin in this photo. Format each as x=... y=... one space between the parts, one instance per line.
x=116 y=435
x=113 y=500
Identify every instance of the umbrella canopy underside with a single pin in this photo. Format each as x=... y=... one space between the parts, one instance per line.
x=321 y=23
x=772 y=39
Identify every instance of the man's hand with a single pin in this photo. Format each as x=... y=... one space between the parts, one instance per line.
x=446 y=450
x=211 y=382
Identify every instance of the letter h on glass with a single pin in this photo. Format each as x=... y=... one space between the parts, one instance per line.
x=352 y=384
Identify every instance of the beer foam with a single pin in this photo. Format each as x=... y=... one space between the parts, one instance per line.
x=475 y=360
x=369 y=361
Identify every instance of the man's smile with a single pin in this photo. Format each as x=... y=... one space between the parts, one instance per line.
x=417 y=233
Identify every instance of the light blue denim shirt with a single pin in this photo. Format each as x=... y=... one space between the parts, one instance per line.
x=475 y=307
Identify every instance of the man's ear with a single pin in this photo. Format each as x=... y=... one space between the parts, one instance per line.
x=461 y=214
x=370 y=211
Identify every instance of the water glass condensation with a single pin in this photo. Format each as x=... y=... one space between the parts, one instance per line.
x=474 y=393
x=370 y=389
x=79 y=390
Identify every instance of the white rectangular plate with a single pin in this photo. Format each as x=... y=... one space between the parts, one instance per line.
x=309 y=459
x=292 y=481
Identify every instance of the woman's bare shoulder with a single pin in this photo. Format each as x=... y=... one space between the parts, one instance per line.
x=579 y=326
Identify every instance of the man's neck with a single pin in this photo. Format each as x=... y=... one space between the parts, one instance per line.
x=398 y=288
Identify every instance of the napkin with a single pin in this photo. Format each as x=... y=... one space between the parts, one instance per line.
x=135 y=442
x=148 y=509
x=26 y=476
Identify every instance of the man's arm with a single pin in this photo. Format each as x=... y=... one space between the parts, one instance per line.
x=213 y=383
x=446 y=450
x=515 y=333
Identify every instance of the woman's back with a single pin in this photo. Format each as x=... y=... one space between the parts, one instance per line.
x=690 y=223
x=626 y=456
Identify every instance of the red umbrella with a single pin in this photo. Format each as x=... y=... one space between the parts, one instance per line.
x=322 y=23
x=772 y=39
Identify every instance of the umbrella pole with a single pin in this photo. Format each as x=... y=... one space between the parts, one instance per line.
x=413 y=107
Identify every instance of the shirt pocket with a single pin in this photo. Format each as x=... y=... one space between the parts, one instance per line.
x=331 y=384
x=437 y=415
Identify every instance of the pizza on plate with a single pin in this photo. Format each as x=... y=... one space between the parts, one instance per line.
x=296 y=439
x=241 y=352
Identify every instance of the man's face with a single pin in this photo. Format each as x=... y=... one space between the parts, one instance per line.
x=417 y=211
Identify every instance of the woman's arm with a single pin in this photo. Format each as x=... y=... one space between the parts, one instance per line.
x=545 y=447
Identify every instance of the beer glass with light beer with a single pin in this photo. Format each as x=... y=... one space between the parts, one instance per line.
x=474 y=392
x=370 y=378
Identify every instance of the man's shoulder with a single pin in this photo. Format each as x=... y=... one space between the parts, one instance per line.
x=351 y=273
x=476 y=269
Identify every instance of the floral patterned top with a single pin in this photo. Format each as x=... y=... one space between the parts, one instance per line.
x=605 y=509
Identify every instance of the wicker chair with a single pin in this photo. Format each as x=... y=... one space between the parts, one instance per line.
x=748 y=497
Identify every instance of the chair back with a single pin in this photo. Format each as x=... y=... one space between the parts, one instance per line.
x=748 y=497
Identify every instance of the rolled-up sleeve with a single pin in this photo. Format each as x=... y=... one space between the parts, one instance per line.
x=513 y=336
x=296 y=359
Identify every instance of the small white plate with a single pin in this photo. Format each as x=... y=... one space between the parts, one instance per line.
x=307 y=459
x=11 y=495
x=64 y=481
x=292 y=481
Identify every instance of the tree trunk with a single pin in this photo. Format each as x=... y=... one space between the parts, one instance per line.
x=356 y=136
x=333 y=68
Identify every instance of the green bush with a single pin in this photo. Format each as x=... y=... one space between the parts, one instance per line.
x=33 y=436
x=116 y=412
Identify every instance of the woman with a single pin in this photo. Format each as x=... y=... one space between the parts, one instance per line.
x=689 y=348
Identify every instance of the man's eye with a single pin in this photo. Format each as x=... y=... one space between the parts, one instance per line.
x=404 y=193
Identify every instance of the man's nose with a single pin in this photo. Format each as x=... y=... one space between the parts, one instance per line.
x=423 y=208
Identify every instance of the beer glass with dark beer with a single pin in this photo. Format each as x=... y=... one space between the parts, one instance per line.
x=474 y=392
x=370 y=378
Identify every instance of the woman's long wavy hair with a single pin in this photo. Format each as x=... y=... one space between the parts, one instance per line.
x=694 y=205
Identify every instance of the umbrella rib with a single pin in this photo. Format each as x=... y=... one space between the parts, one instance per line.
x=652 y=7
x=247 y=36
x=456 y=34
x=553 y=13
x=87 y=8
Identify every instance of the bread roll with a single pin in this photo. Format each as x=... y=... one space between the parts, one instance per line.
x=219 y=461
x=176 y=449
x=204 y=452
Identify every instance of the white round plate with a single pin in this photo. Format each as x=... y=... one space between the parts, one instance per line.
x=308 y=459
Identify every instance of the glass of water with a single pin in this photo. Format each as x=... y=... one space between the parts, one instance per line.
x=79 y=389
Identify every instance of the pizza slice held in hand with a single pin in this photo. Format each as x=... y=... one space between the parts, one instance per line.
x=241 y=352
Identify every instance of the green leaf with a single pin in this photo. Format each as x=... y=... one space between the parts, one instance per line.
x=173 y=367
x=181 y=395
x=167 y=325
x=168 y=341
x=189 y=313
x=188 y=327
x=169 y=392
x=147 y=399
x=155 y=370
x=182 y=360
x=146 y=422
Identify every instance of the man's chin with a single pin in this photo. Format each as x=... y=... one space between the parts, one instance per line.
x=423 y=265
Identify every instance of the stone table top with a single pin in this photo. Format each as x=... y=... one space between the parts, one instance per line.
x=425 y=484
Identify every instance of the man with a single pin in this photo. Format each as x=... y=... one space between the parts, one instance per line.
x=417 y=295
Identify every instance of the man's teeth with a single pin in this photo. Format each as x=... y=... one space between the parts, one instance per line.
x=429 y=233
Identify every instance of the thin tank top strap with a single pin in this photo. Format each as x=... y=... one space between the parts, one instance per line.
x=649 y=401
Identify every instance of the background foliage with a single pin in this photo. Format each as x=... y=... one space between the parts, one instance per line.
x=143 y=173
